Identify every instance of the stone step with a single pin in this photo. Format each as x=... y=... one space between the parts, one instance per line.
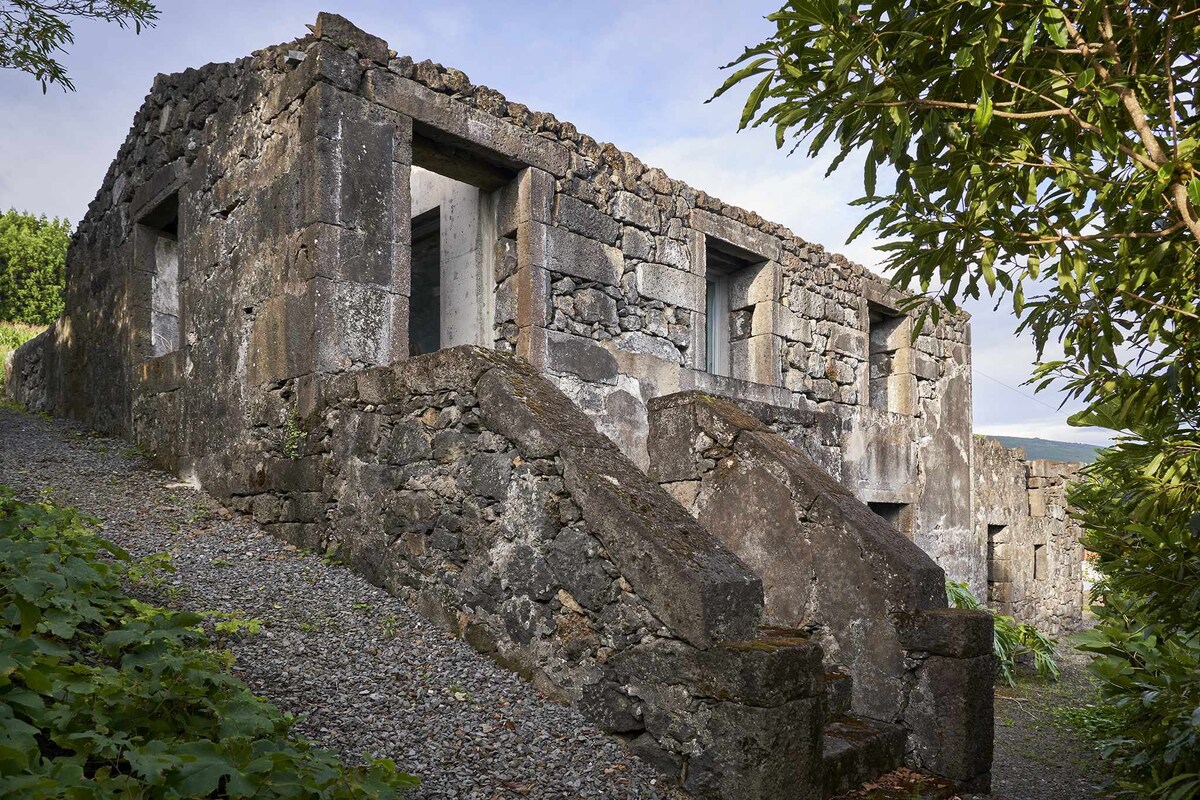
x=857 y=750
x=839 y=688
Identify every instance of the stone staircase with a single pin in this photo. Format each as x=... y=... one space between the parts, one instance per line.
x=855 y=750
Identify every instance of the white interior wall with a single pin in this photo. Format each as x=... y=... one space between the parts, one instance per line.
x=468 y=237
x=164 y=316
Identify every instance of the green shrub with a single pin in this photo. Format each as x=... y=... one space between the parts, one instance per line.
x=1010 y=639
x=1140 y=505
x=103 y=696
x=33 y=254
x=12 y=336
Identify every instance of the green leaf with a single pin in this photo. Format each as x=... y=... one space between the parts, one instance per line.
x=1030 y=34
x=753 y=68
x=755 y=100
x=984 y=110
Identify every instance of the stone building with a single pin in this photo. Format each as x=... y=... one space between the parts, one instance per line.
x=672 y=463
x=1034 y=555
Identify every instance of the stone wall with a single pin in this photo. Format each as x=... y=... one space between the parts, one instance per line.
x=467 y=483
x=614 y=307
x=869 y=595
x=1034 y=552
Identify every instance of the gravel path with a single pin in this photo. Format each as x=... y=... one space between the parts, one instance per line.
x=1038 y=755
x=366 y=674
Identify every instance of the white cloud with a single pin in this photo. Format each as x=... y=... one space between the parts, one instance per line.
x=747 y=170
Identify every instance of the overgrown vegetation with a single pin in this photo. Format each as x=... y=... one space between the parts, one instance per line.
x=1047 y=151
x=104 y=696
x=33 y=253
x=1011 y=639
x=12 y=336
x=293 y=435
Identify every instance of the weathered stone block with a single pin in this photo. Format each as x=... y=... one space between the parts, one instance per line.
x=760 y=753
x=347 y=35
x=581 y=357
x=758 y=359
x=691 y=582
x=951 y=632
x=672 y=286
x=629 y=208
x=477 y=129
x=579 y=217
x=737 y=234
x=561 y=251
x=759 y=284
x=951 y=718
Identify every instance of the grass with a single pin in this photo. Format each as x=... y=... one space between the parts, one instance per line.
x=12 y=336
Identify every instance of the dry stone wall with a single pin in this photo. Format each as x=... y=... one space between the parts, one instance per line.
x=615 y=309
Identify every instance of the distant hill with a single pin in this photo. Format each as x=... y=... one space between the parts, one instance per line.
x=1052 y=450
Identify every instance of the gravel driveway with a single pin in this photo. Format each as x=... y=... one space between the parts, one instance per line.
x=367 y=675
x=364 y=672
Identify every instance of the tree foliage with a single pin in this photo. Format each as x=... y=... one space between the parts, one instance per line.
x=34 y=32
x=1046 y=151
x=102 y=696
x=33 y=252
x=1011 y=640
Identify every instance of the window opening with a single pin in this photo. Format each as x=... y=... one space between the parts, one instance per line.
x=425 y=303
x=162 y=224
x=886 y=333
x=721 y=269
x=894 y=514
x=997 y=562
x=1040 y=567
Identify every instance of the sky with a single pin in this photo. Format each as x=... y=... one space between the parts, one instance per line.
x=632 y=73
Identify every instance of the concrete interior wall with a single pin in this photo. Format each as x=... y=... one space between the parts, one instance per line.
x=467 y=254
x=164 y=311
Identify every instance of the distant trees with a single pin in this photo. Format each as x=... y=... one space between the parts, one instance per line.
x=33 y=253
x=34 y=32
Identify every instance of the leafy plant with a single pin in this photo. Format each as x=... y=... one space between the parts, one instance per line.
x=1094 y=722
x=234 y=623
x=1010 y=639
x=104 y=696
x=293 y=435
x=12 y=336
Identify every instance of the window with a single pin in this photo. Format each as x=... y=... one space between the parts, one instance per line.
x=888 y=335
x=998 y=577
x=1040 y=565
x=161 y=226
x=722 y=267
x=895 y=514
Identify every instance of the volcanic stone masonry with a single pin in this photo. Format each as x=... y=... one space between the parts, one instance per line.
x=670 y=462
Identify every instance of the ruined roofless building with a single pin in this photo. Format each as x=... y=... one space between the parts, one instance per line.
x=675 y=465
